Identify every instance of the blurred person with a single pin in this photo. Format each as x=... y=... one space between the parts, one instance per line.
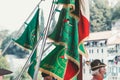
x=98 y=69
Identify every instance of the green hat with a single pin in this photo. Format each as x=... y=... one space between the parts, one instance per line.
x=96 y=64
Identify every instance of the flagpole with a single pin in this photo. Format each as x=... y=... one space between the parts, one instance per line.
x=18 y=78
x=20 y=28
x=43 y=44
x=11 y=41
x=25 y=66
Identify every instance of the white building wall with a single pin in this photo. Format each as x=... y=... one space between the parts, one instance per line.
x=106 y=54
x=94 y=52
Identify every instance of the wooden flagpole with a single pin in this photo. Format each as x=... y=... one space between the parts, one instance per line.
x=80 y=75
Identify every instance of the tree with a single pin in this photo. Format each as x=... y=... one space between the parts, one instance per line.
x=13 y=49
x=3 y=62
x=3 y=34
x=116 y=11
x=100 y=16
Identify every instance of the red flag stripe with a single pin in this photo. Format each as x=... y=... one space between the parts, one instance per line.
x=83 y=25
x=71 y=70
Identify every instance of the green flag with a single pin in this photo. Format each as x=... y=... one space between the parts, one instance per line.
x=55 y=62
x=33 y=62
x=66 y=35
x=28 y=39
x=69 y=33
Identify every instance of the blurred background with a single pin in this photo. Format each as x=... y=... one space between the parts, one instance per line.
x=103 y=42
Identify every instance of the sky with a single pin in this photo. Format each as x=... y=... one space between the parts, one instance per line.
x=13 y=13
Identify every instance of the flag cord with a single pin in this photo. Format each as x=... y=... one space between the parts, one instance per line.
x=10 y=42
x=43 y=43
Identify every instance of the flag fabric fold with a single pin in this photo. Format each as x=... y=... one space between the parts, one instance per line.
x=54 y=63
x=28 y=39
x=83 y=26
x=65 y=34
x=71 y=30
x=29 y=36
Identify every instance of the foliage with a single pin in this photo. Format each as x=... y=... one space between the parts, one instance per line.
x=3 y=34
x=13 y=49
x=116 y=12
x=3 y=62
x=100 y=16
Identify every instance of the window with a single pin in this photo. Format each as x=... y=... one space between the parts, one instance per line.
x=89 y=51
x=92 y=50
x=97 y=50
x=102 y=60
x=101 y=50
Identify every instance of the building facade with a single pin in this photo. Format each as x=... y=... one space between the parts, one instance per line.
x=101 y=45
